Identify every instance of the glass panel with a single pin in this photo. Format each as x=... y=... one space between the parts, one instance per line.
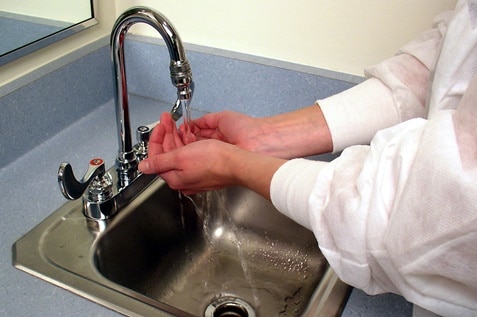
x=28 y=25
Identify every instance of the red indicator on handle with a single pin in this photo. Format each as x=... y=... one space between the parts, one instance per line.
x=96 y=162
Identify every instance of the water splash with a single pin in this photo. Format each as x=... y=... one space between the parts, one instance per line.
x=240 y=252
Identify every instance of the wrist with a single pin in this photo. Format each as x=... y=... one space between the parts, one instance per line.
x=253 y=170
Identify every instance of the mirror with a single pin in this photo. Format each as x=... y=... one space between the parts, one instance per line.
x=28 y=25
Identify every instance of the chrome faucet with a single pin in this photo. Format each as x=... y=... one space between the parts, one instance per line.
x=181 y=77
x=105 y=192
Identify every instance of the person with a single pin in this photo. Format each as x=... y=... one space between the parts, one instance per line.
x=397 y=210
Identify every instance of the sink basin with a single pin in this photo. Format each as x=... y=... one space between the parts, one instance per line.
x=219 y=253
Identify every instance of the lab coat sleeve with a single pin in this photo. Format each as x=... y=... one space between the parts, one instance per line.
x=395 y=91
x=399 y=215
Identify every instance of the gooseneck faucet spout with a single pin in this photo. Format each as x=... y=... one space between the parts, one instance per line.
x=180 y=71
x=103 y=192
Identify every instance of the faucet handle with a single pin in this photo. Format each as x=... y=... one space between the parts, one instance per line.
x=142 y=134
x=73 y=189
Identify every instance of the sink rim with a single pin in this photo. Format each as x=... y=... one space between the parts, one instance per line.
x=28 y=256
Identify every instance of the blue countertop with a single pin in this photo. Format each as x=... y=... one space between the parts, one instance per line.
x=29 y=190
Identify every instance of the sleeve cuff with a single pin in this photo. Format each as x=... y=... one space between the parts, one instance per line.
x=291 y=188
x=355 y=115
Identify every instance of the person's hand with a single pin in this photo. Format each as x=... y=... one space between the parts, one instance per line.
x=196 y=167
x=295 y=134
x=189 y=169
x=164 y=137
x=205 y=164
x=228 y=126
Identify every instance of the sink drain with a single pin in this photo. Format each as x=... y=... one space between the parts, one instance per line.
x=229 y=306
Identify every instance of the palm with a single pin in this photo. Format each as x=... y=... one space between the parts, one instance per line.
x=227 y=126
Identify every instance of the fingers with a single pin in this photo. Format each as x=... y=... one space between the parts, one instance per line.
x=171 y=139
x=164 y=137
x=156 y=139
x=206 y=127
x=163 y=143
x=187 y=136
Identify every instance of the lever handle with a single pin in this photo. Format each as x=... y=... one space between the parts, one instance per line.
x=70 y=187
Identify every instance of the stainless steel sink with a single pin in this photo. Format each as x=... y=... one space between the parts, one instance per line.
x=220 y=253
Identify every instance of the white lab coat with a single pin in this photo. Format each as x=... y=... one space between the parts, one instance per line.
x=397 y=211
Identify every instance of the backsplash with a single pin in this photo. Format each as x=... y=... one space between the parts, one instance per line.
x=226 y=83
x=37 y=111
x=42 y=108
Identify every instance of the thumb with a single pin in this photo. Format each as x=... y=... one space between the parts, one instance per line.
x=157 y=164
x=145 y=167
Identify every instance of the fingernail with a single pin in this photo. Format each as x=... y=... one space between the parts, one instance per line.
x=143 y=166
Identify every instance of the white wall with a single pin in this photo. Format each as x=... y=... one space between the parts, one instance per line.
x=337 y=35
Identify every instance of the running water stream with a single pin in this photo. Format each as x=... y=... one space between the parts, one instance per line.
x=218 y=225
x=186 y=121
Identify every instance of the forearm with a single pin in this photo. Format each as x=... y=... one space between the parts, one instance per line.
x=253 y=170
x=295 y=134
